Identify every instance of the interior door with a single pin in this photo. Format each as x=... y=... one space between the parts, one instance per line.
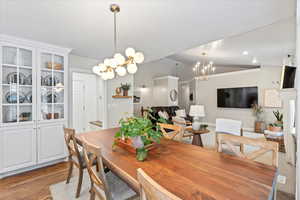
x=78 y=105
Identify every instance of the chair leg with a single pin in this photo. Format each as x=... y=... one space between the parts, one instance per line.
x=97 y=167
x=79 y=182
x=92 y=197
x=70 y=172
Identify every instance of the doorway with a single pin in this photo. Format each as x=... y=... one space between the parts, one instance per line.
x=85 y=106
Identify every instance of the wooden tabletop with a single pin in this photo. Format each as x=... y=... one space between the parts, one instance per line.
x=188 y=171
x=190 y=129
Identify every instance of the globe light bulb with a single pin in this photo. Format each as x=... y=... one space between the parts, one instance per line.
x=96 y=69
x=113 y=63
x=107 y=62
x=119 y=58
x=130 y=52
x=138 y=57
x=121 y=71
x=102 y=67
x=132 y=68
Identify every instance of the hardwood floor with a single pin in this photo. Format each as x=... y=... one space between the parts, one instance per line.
x=34 y=185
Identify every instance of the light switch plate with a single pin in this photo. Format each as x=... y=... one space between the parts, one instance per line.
x=281 y=179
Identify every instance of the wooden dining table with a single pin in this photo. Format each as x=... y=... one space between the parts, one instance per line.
x=190 y=172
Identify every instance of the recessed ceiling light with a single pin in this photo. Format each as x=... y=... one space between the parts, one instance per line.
x=245 y=53
x=254 y=60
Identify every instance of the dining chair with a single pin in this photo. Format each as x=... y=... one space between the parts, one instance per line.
x=231 y=127
x=172 y=132
x=100 y=186
x=180 y=121
x=75 y=157
x=265 y=146
x=151 y=190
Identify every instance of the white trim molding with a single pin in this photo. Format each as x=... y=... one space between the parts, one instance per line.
x=166 y=77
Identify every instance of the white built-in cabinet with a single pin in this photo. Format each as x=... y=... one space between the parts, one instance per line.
x=33 y=104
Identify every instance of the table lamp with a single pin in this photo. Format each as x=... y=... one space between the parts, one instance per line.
x=197 y=111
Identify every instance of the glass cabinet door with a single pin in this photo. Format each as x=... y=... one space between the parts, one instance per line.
x=52 y=86
x=16 y=85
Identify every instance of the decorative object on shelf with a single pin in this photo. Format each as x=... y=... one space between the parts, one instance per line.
x=55 y=66
x=136 y=99
x=25 y=116
x=173 y=95
x=125 y=87
x=277 y=126
x=52 y=97
x=118 y=91
x=11 y=114
x=52 y=116
x=49 y=80
x=259 y=124
x=29 y=97
x=28 y=80
x=12 y=97
x=118 y=63
x=197 y=111
x=12 y=78
x=138 y=135
x=204 y=68
x=203 y=127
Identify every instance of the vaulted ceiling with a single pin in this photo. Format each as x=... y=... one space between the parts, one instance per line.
x=159 y=28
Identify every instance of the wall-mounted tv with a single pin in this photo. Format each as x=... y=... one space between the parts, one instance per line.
x=242 y=97
x=288 y=77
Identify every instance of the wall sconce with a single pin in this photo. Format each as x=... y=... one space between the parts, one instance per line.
x=143 y=88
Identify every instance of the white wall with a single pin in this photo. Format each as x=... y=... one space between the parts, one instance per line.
x=145 y=75
x=264 y=78
x=118 y=108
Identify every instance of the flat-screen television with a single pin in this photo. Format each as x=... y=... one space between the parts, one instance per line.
x=242 y=97
x=288 y=77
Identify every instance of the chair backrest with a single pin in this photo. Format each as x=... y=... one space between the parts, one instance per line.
x=175 y=133
x=179 y=121
x=151 y=190
x=229 y=126
x=265 y=146
x=72 y=146
x=92 y=154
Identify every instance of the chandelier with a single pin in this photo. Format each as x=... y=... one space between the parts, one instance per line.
x=118 y=64
x=204 y=69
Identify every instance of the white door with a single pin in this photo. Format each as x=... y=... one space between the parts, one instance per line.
x=85 y=106
x=17 y=149
x=78 y=106
x=51 y=143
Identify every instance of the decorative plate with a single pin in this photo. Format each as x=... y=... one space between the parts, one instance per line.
x=13 y=78
x=29 y=97
x=12 y=97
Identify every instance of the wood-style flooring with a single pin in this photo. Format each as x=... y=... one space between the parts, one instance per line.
x=34 y=185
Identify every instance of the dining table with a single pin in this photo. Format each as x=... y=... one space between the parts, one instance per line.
x=188 y=171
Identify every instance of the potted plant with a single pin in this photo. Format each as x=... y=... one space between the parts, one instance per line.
x=125 y=87
x=139 y=135
x=278 y=125
x=257 y=112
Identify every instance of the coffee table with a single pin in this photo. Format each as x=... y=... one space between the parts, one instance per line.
x=197 y=135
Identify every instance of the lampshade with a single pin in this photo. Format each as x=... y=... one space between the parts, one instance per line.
x=180 y=113
x=197 y=111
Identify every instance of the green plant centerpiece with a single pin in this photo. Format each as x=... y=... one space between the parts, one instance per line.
x=140 y=133
x=278 y=124
x=125 y=87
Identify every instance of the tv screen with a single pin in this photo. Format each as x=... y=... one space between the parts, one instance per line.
x=237 y=97
x=288 y=77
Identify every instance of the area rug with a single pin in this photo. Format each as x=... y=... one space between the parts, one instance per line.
x=63 y=191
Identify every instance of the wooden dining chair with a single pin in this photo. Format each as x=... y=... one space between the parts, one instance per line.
x=151 y=190
x=179 y=121
x=265 y=146
x=172 y=132
x=75 y=157
x=99 y=184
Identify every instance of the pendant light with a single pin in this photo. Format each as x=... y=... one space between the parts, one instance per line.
x=119 y=64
